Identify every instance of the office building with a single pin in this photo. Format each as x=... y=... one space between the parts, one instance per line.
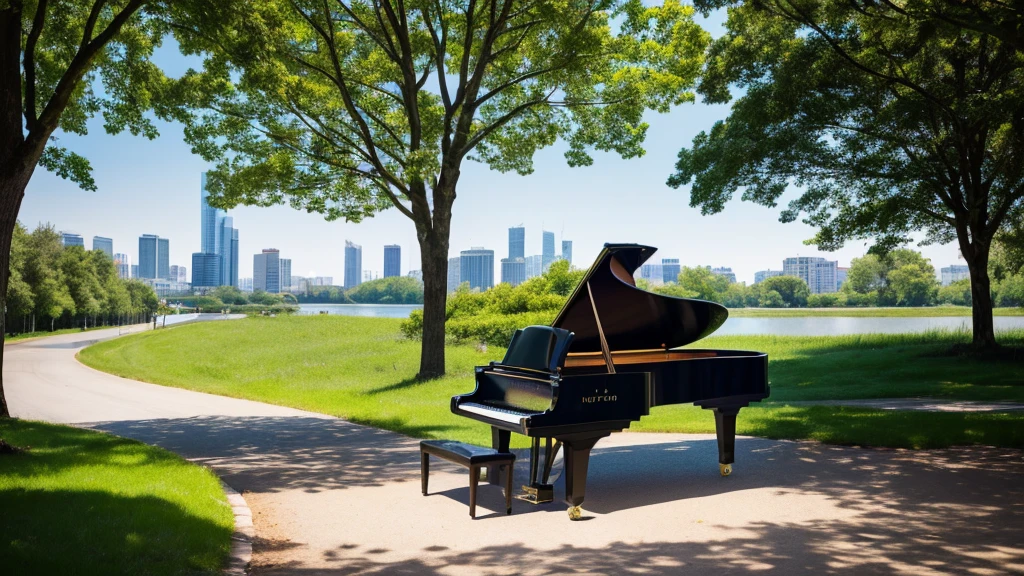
x=244 y=284
x=534 y=266
x=476 y=266
x=513 y=271
x=517 y=242
x=106 y=245
x=205 y=270
x=218 y=237
x=228 y=251
x=154 y=257
x=69 y=239
x=416 y=275
x=123 y=265
x=178 y=274
x=547 y=250
x=174 y=272
x=454 y=274
x=286 y=274
x=368 y=276
x=353 y=264
x=392 y=260
x=567 y=251
x=727 y=272
x=135 y=270
x=670 y=270
x=819 y=273
x=210 y=221
x=763 y=275
x=266 y=271
x=654 y=274
x=953 y=273
x=841 y=276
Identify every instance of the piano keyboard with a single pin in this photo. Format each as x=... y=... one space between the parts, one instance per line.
x=504 y=414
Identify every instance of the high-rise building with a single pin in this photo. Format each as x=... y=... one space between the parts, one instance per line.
x=69 y=239
x=123 y=263
x=841 y=276
x=228 y=251
x=547 y=250
x=820 y=274
x=762 y=275
x=416 y=275
x=953 y=273
x=516 y=242
x=670 y=270
x=567 y=251
x=205 y=270
x=513 y=271
x=154 y=260
x=135 y=270
x=353 y=264
x=104 y=244
x=210 y=222
x=534 y=266
x=454 y=275
x=266 y=271
x=244 y=284
x=286 y=274
x=392 y=260
x=476 y=266
x=653 y=273
x=178 y=273
x=727 y=272
x=218 y=237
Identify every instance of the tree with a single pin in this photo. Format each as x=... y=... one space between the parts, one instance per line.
x=349 y=108
x=873 y=275
x=703 y=282
x=792 y=290
x=891 y=117
x=912 y=285
x=62 y=62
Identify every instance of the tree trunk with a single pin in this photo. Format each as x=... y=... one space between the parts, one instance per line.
x=981 y=299
x=434 y=260
x=12 y=190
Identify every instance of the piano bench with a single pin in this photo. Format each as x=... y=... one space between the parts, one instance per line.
x=472 y=457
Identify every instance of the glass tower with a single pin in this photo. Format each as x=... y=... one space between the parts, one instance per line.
x=353 y=264
x=476 y=266
x=516 y=242
x=548 y=250
x=392 y=260
x=104 y=244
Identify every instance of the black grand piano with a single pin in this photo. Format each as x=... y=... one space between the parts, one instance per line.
x=610 y=355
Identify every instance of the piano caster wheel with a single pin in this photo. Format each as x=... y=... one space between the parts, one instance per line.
x=725 y=469
x=575 y=512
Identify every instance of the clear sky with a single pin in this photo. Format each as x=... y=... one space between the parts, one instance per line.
x=152 y=187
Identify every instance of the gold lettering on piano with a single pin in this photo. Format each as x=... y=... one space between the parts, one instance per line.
x=593 y=399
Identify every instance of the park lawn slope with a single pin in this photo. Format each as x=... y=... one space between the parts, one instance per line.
x=88 y=503
x=363 y=370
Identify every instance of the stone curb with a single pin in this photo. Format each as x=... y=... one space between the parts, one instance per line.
x=240 y=557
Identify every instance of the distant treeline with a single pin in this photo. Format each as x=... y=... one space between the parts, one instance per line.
x=233 y=300
x=53 y=287
x=393 y=290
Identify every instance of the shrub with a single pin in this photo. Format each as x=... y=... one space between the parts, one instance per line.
x=958 y=293
x=831 y=300
x=1011 y=291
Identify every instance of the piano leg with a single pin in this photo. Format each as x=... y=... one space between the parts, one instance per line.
x=725 y=429
x=576 y=460
x=499 y=441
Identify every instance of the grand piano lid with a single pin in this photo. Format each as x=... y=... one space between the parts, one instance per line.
x=631 y=318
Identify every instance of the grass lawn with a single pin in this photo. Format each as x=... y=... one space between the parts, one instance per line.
x=921 y=312
x=362 y=369
x=83 y=502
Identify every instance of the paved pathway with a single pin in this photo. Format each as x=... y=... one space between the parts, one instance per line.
x=330 y=497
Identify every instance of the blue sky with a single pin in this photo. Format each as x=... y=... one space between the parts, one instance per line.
x=152 y=187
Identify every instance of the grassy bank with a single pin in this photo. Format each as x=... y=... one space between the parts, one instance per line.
x=362 y=369
x=921 y=312
x=82 y=502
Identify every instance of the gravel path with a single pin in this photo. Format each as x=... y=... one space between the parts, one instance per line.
x=331 y=497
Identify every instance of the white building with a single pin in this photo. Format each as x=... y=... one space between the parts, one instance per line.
x=953 y=273
x=820 y=274
x=653 y=273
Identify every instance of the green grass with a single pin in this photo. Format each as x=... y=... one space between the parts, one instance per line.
x=922 y=312
x=363 y=370
x=83 y=502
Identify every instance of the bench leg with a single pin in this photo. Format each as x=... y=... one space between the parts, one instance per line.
x=424 y=470
x=474 y=479
x=508 y=491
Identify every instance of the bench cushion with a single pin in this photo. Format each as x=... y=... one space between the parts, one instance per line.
x=465 y=454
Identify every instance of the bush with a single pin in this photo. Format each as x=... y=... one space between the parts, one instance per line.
x=770 y=299
x=958 y=293
x=858 y=299
x=831 y=300
x=1011 y=291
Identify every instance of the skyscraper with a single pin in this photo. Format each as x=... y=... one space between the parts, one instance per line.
x=154 y=260
x=670 y=270
x=454 y=275
x=534 y=266
x=135 y=270
x=123 y=263
x=286 y=274
x=353 y=264
x=227 y=249
x=392 y=260
x=266 y=271
x=516 y=242
x=210 y=222
x=476 y=266
x=104 y=244
x=513 y=271
x=820 y=274
x=548 y=250
x=219 y=239
x=205 y=270
x=69 y=239
x=567 y=250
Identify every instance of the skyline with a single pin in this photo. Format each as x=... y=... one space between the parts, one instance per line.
x=150 y=187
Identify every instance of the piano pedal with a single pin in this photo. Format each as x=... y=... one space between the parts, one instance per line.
x=537 y=493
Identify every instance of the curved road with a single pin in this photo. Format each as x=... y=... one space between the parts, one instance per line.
x=330 y=497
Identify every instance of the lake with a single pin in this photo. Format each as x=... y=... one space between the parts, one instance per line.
x=808 y=326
